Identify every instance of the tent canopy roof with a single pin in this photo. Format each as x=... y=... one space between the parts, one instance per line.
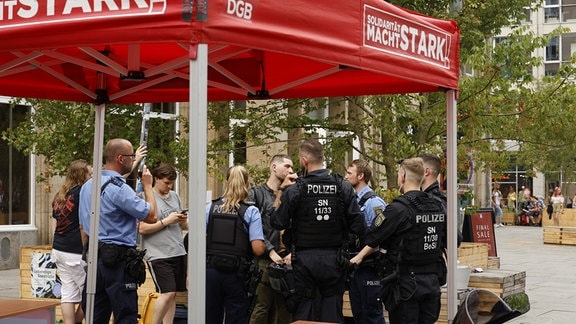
x=139 y=51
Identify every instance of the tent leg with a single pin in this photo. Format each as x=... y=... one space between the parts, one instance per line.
x=198 y=138
x=452 y=188
x=94 y=215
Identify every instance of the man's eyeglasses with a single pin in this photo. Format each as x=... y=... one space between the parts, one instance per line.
x=133 y=155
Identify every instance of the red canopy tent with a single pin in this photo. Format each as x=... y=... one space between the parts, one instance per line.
x=125 y=51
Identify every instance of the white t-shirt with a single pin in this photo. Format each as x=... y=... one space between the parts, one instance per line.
x=557 y=200
x=497 y=197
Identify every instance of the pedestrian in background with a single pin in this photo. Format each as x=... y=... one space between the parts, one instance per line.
x=496 y=205
x=365 y=287
x=120 y=210
x=234 y=237
x=67 y=246
x=163 y=242
x=317 y=212
x=269 y=306
x=511 y=199
x=557 y=200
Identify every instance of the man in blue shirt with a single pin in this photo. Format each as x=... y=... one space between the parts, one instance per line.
x=365 y=282
x=120 y=210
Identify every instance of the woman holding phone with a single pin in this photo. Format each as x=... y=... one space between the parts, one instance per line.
x=163 y=241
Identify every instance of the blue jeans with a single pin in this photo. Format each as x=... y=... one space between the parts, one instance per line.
x=498 y=214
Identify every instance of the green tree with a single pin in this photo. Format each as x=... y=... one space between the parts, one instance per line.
x=64 y=131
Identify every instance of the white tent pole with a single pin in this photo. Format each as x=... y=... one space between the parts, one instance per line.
x=451 y=183
x=94 y=211
x=198 y=129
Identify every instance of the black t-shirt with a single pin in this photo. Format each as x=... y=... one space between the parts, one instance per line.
x=67 y=234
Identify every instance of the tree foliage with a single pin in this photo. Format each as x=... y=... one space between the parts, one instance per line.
x=64 y=131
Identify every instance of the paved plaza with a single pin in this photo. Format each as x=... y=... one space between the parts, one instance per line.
x=550 y=274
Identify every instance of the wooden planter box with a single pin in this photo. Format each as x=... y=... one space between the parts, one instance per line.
x=509 y=218
x=474 y=255
x=559 y=235
x=26 y=280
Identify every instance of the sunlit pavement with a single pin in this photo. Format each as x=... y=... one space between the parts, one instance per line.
x=550 y=273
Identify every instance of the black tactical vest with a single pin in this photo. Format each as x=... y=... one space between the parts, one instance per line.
x=319 y=220
x=227 y=232
x=423 y=244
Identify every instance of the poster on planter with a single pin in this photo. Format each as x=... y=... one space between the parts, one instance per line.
x=45 y=282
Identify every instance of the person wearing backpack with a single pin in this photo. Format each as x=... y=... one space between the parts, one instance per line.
x=430 y=185
x=317 y=212
x=365 y=285
x=412 y=230
x=233 y=237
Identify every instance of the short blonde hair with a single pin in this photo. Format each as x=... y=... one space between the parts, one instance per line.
x=414 y=168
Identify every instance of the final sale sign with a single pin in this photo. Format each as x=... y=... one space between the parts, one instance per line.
x=393 y=34
x=483 y=230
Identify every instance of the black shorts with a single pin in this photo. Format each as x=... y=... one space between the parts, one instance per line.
x=169 y=274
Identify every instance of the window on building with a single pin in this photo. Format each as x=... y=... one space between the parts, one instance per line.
x=568 y=46
x=568 y=10
x=559 y=51
x=168 y=108
x=512 y=184
x=553 y=50
x=527 y=15
x=551 y=61
x=556 y=11
x=14 y=172
x=162 y=128
x=503 y=43
x=552 y=11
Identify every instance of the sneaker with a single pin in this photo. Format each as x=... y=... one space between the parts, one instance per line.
x=502 y=225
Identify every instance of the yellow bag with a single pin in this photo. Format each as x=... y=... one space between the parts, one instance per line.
x=148 y=308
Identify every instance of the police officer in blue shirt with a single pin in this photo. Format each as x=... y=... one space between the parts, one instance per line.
x=120 y=210
x=233 y=237
x=365 y=285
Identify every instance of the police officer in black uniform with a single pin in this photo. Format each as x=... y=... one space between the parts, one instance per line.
x=412 y=229
x=430 y=185
x=317 y=214
x=234 y=236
